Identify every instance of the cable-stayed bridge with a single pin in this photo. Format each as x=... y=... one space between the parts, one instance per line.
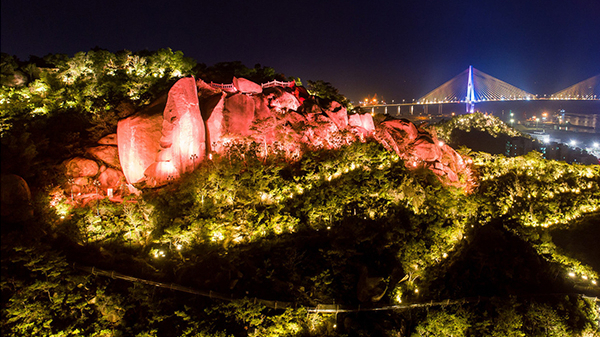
x=473 y=86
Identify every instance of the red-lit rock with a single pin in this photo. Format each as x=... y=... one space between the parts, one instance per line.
x=261 y=108
x=79 y=166
x=338 y=115
x=424 y=149
x=367 y=122
x=212 y=112
x=159 y=173
x=238 y=114
x=206 y=90
x=408 y=129
x=246 y=86
x=139 y=144
x=364 y=121
x=183 y=127
x=281 y=100
x=106 y=154
x=111 y=178
x=109 y=140
x=175 y=140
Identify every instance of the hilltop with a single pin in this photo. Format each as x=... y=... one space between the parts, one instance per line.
x=297 y=216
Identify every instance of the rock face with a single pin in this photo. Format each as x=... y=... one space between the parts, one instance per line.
x=155 y=149
x=16 y=199
x=246 y=86
x=165 y=141
x=106 y=154
x=238 y=114
x=139 y=145
x=110 y=140
x=183 y=141
x=81 y=167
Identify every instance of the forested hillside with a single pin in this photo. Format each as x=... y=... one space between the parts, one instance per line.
x=355 y=240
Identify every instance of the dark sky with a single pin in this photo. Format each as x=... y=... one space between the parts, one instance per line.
x=399 y=49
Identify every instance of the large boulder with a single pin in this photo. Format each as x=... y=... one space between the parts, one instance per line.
x=212 y=112
x=139 y=144
x=81 y=167
x=426 y=150
x=109 y=140
x=281 y=100
x=238 y=114
x=106 y=154
x=16 y=199
x=364 y=121
x=176 y=139
x=183 y=136
x=111 y=179
x=206 y=90
x=337 y=114
x=246 y=86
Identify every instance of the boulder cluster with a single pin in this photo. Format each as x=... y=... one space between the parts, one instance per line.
x=180 y=130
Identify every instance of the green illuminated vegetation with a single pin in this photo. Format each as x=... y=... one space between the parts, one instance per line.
x=352 y=227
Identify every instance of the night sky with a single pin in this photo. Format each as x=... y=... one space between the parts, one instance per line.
x=397 y=49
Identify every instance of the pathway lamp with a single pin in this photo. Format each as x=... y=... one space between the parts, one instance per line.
x=96 y=185
x=193 y=157
x=71 y=182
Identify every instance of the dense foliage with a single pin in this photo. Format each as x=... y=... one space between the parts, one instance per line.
x=351 y=227
x=488 y=124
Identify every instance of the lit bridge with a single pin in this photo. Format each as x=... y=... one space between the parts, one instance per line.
x=473 y=86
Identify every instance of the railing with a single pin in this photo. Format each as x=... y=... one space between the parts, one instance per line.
x=226 y=87
x=231 y=87
x=276 y=83
x=320 y=308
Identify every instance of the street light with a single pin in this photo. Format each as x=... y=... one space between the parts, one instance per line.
x=96 y=184
x=193 y=157
x=71 y=182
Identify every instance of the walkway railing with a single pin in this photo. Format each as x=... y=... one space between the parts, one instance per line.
x=226 y=87
x=232 y=89
x=320 y=308
x=276 y=83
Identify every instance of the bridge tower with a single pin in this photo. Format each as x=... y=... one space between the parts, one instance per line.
x=470 y=92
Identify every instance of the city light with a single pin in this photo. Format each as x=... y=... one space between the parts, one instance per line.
x=573 y=143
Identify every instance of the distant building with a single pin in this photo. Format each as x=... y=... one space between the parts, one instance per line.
x=583 y=123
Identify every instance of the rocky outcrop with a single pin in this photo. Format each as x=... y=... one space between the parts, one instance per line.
x=139 y=144
x=107 y=154
x=246 y=86
x=183 y=141
x=238 y=115
x=81 y=167
x=109 y=140
x=16 y=199
x=155 y=149
x=196 y=119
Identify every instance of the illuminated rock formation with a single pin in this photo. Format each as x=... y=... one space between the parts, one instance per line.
x=337 y=114
x=107 y=154
x=16 y=199
x=197 y=119
x=420 y=148
x=81 y=167
x=246 y=86
x=110 y=140
x=282 y=101
x=139 y=144
x=111 y=179
x=183 y=141
x=154 y=149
